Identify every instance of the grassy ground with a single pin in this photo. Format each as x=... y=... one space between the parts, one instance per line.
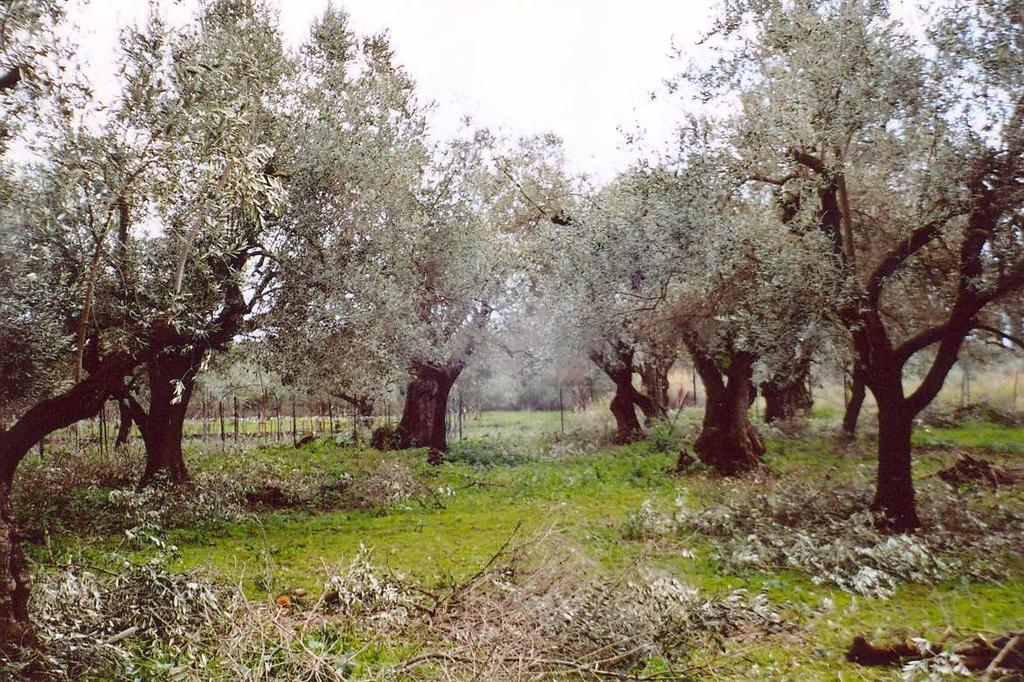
x=497 y=485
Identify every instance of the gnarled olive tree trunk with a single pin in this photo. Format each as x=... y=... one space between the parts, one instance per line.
x=426 y=405
x=619 y=366
x=81 y=401
x=15 y=626
x=728 y=442
x=124 y=425
x=363 y=406
x=654 y=379
x=894 y=486
x=853 y=407
x=172 y=372
x=788 y=395
x=627 y=427
x=172 y=377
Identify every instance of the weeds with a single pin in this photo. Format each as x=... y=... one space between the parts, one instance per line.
x=84 y=494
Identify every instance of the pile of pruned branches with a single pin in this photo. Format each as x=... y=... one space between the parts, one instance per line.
x=827 y=533
x=533 y=611
x=137 y=621
x=537 y=611
x=974 y=412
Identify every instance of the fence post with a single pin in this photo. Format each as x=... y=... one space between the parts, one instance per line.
x=967 y=380
x=263 y=408
x=295 y=424
x=561 y=409
x=103 y=429
x=1016 y=374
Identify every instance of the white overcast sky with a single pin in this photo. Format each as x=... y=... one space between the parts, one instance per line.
x=580 y=68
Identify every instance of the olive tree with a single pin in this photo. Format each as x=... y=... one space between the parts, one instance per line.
x=403 y=247
x=453 y=264
x=746 y=306
x=357 y=143
x=905 y=153
x=610 y=260
x=141 y=218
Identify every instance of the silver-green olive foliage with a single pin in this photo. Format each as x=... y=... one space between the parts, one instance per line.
x=682 y=253
x=147 y=211
x=913 y=135
x=404 y=249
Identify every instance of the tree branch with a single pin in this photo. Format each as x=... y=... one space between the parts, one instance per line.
x=1015 y=340
x=918 y=238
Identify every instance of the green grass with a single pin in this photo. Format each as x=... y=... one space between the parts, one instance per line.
x=989 y=438
x=505 y=481
x=580 y=496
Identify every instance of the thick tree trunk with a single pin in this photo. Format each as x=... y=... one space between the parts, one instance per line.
x=852 y=413
x=425 y=410
x=162 y=426
x=627 y=427
x=728 y=442
x=618 y=365
x=894 y=487
x=619 y=369
x=654 y=378
x=15 y=626
x=786 y=397
x=81 y=401
x=124 y=425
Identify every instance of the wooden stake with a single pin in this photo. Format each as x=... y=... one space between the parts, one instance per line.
x=1016 y=375
x=561 y=408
